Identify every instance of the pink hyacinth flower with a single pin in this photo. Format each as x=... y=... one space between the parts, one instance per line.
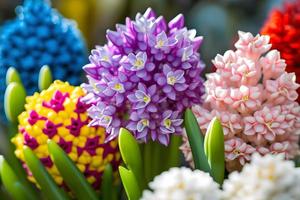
x=252 y=47
x=282 y=89
x=265 y=124
x=246 y=99
x=237 y=149
x=273 y=66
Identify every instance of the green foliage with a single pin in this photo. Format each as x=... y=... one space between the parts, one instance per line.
x=133 y=160
x=45 y=78
x=130 y=184
x=214 y=150
x=196 y=141
x=14 y=101
x=70 y=173
x=12 y=183
x=45 y=181
x=12 y=76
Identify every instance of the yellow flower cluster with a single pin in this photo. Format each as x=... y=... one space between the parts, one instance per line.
x=59 y=114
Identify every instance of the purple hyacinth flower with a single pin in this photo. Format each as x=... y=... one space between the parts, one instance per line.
x=170 y=122
x=144 y=98
x=147 y=67
x=142 y=125
x=171 y=81
x=105 y=116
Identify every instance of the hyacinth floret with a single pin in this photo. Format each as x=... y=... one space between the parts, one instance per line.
x=144 y=77
x=255 y=99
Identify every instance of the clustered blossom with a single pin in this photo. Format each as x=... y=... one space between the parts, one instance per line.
x=144 y=77
x=255 y=100
x=41 y=36
x=184 y=184
x=266 y=178
x=283 y=27
x=59 y=114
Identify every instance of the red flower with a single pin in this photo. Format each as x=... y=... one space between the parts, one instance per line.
x=283 y=27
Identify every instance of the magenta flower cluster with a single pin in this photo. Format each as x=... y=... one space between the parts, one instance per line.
x=144 y=77
x=255 y=99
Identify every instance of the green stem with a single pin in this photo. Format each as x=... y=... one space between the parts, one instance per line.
x=156 y=158
x=147 y=162
x=173 y=152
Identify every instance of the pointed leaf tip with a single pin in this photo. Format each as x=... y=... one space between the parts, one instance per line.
x=14 y=101
x=45 y=78
x=196 y=141
x=214 y=149
x=12 y=76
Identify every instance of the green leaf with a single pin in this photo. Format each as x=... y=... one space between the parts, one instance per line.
x=130 y=184
x=107 y=183
x=45 y=78
x=196 y=141
x=45 y=181
x=70 y=173
x=131 y=154
x=12 y=76
x=12 y=183
x=214 y=149
x=14 y=101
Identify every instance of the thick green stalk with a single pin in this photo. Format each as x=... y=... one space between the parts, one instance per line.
x=147 y=148
x=107 y=183
x=173 y=152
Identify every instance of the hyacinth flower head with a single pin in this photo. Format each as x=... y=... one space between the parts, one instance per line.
x=283 y=27
x=59 y=114
x=144 y=77
x=182 y=183
x=266 y=177
x=255 y=100
x=41 y=36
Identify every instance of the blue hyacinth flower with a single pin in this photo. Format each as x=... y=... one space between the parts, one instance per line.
x=41 y=36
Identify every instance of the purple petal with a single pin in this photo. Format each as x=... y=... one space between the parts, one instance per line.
x=132 y=98
x=134 y=116
x=114 y=37
x=141 y=73
x=152 y=90
x=151 y=108
x=164 y=139
x=166 y=69
x=177 y=22
x=167 y=89
x=109 y=92
x=177 y=122
x=150 y=67
x=181 y=87
x=197 y=42
x=149 y=13
x=172 y=95
x=161 y=80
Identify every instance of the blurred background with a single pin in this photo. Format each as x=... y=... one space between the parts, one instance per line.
x=217 y=20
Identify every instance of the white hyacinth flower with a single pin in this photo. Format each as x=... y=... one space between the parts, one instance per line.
x=265 y=178
x=182 y=184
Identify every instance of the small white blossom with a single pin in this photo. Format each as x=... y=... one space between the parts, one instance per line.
x=182 y=184
x=265 y=178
